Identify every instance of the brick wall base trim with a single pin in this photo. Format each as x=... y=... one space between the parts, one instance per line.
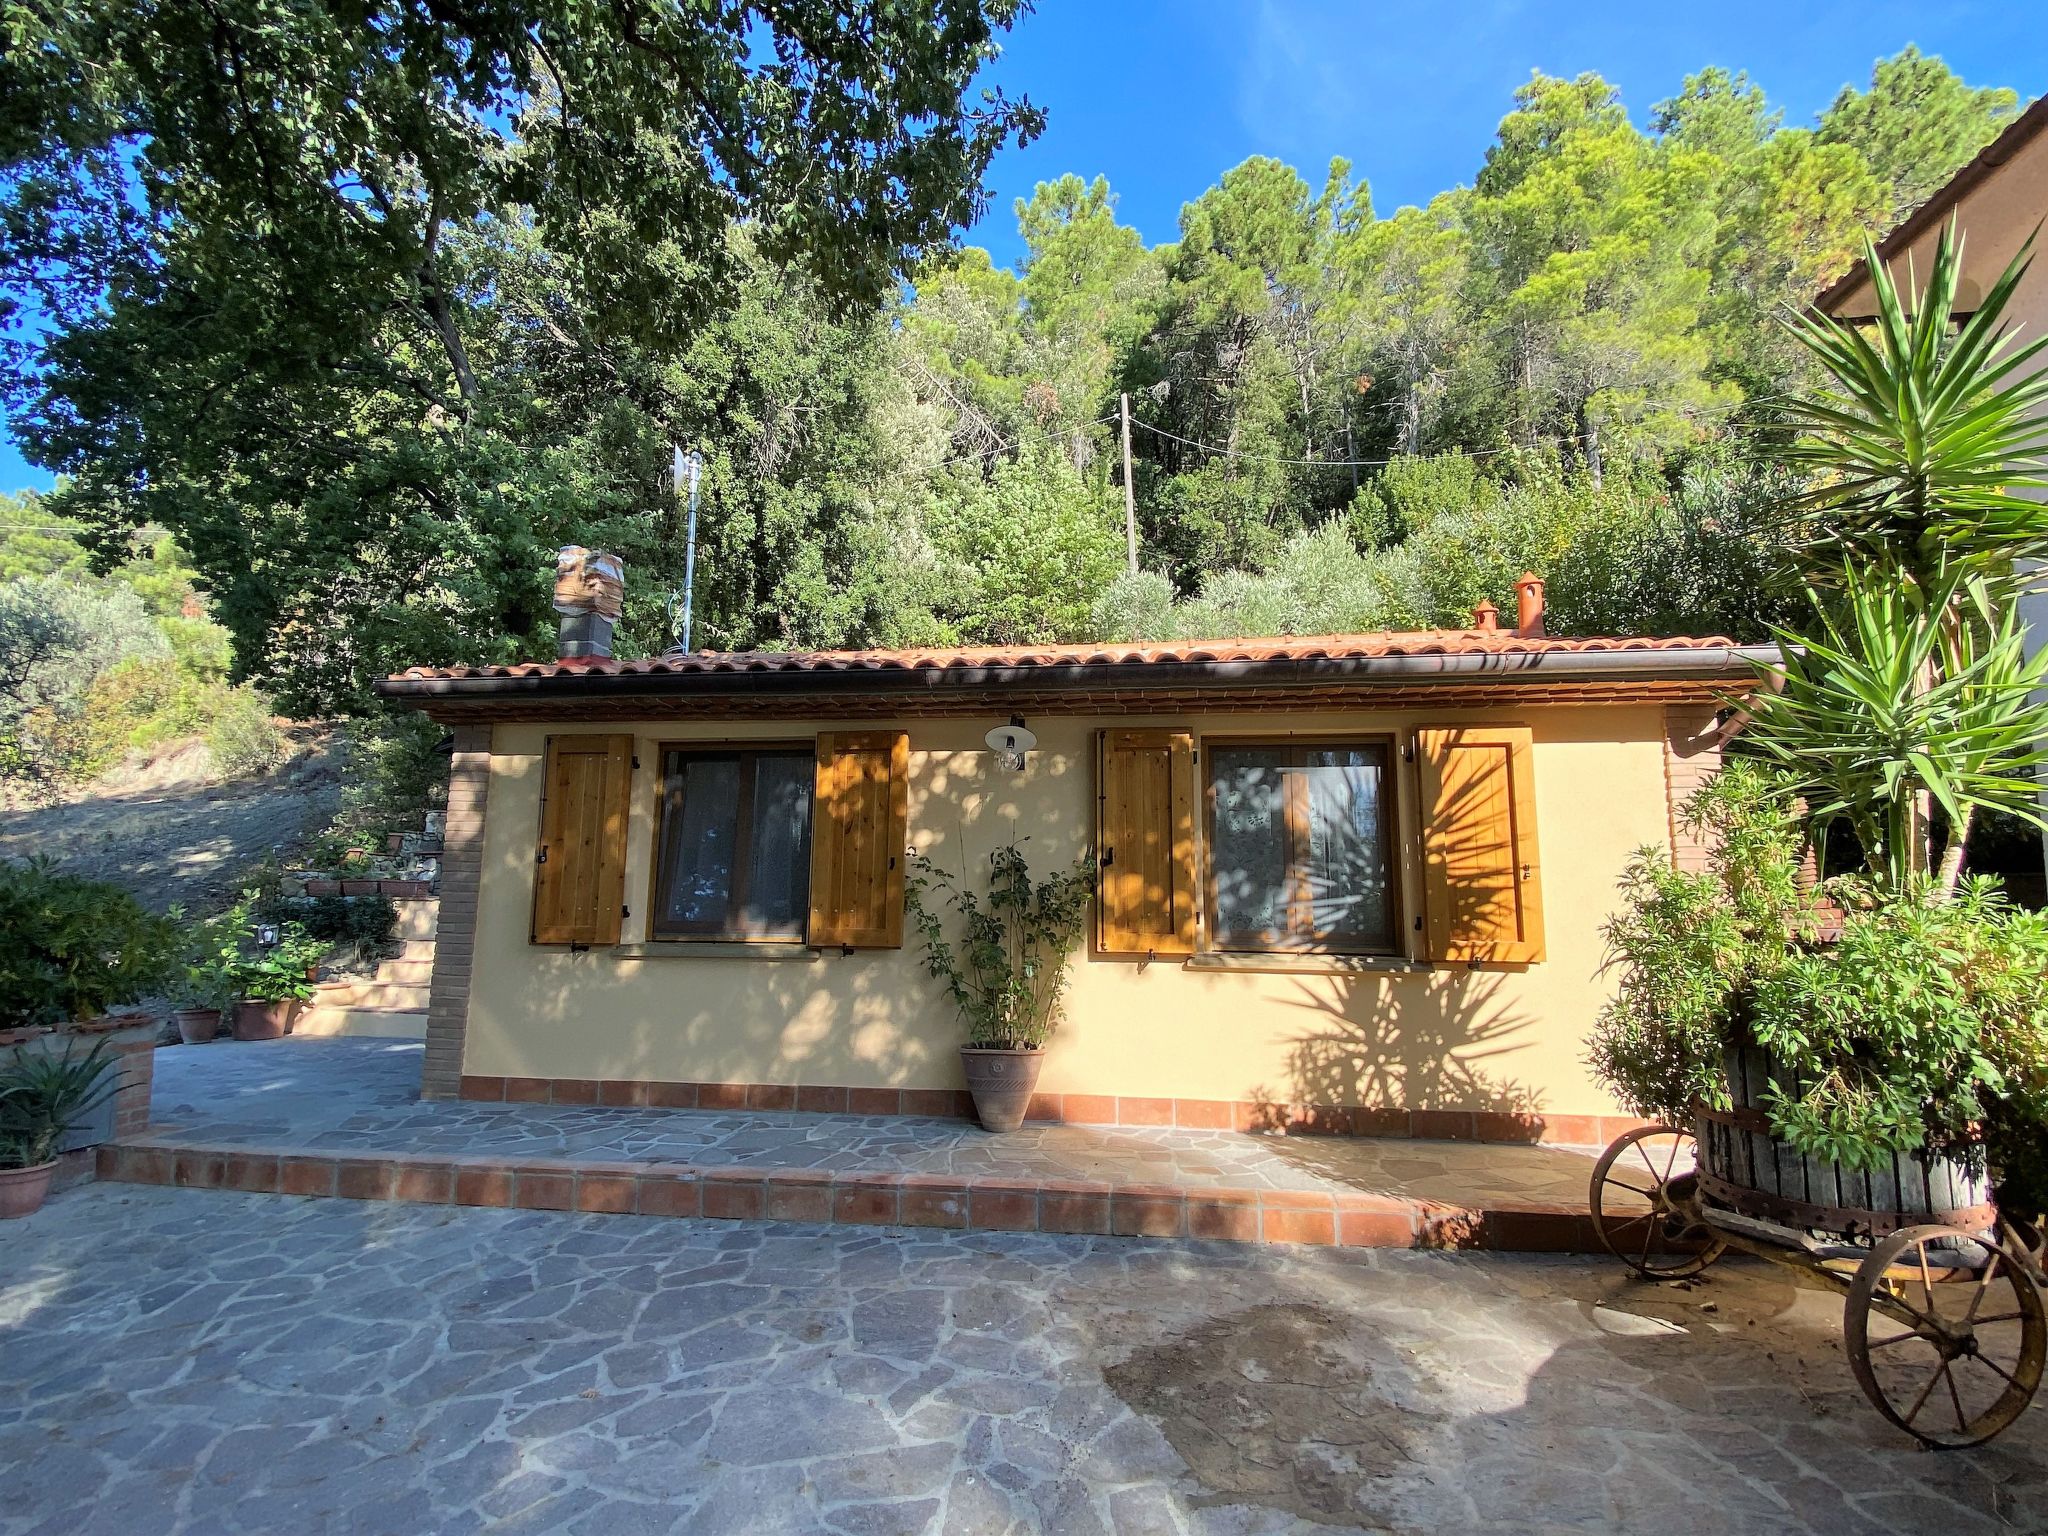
x=1352 y=1220
x=1064 y=1109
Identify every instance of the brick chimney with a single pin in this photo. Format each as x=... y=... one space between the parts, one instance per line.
x=590 y=590
x=1486 y=616
x=1529 y=606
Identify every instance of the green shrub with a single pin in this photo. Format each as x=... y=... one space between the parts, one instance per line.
x=243 y=738
x=74 y=948
x=362 y=923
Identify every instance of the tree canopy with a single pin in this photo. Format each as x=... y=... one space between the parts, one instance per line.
x=372 y=310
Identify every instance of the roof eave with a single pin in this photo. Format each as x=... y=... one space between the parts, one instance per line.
x=1706 y=664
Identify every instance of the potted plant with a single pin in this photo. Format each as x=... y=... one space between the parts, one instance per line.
x=41 y=1097
x=272 y=984
x=1006 y=972
x=208 y=979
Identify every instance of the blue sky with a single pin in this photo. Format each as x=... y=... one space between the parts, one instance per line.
x=1162 y=96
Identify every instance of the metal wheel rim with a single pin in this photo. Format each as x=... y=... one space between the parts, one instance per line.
x=1631 y=1164
x=1930 y=1404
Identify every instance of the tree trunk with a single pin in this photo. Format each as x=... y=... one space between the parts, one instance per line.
x=434 y=300
x=1589 y=438
x=1950 y=875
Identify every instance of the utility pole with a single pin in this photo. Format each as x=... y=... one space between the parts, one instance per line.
x=1130 y=495
x=686 y=468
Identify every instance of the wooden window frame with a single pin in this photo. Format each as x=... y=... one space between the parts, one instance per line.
x=1392 y=843
x=668 y=801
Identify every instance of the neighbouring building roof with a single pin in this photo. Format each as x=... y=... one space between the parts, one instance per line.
x=1440 y=666
x=2018 y=133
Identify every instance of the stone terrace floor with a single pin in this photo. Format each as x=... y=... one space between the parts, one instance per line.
x=358 y=1097
x=180 y=1362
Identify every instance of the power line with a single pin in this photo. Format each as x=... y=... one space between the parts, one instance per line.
x=1239 y=453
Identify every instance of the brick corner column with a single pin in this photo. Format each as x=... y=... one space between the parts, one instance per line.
x=1692 y=755
x=462 y=857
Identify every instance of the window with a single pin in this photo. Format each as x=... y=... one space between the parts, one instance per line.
x=1300 y=847
x=733 y=857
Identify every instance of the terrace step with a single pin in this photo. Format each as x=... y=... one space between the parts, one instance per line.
x=870 y=1198
x=327 y=1021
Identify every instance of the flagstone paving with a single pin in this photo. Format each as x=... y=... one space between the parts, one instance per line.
x=358 y=1096
x=183 y=1361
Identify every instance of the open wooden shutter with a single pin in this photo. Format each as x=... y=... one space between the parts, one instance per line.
x=859 y=822
x=1145 y=890
x=579 y=887
x=1482 y=880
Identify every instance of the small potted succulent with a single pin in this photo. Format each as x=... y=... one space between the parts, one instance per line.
x=43 y=1096
x=1006 y=972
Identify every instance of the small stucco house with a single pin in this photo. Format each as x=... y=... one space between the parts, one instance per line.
x=1347 y=883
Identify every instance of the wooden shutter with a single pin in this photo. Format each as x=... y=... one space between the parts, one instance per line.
x=859 y=821
x=1482 y=880
x=579 y=888
x=1145 y=890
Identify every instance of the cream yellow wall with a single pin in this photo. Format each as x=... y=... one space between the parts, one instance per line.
x=1446 y=1038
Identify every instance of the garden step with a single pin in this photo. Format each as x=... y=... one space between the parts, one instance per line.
x=325 y=1021
x=417 y=917
x=371 y=994
x=408 y=972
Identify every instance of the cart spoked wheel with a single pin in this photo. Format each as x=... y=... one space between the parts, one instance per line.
x=1643 y=1200
x=1945 y=1334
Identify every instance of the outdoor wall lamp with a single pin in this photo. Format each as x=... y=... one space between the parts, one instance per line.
x=1010 y=743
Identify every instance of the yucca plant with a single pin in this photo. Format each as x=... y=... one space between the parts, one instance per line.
x=1918 y=538
x=1906 y=692
x=1930 y=431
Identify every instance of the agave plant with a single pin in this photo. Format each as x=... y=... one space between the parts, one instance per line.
x=42 y=1097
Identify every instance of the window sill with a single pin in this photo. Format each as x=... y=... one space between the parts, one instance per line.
x=1305 y=963
x=717 y=949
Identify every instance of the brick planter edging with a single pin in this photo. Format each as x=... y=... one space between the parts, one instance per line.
x=1350 y=1220
x=1064 y=1109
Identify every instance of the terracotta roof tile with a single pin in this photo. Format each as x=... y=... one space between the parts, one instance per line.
x=1427 y=642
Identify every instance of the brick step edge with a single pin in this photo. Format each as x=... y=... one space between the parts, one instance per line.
x=872 y=1199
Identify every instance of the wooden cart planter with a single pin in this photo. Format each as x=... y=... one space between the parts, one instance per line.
x=1918 y=1245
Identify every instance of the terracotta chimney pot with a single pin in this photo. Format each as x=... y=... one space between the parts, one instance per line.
x=1529 y=605
x=1485 y=616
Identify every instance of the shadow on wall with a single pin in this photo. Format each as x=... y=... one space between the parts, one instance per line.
x=1388 y=1046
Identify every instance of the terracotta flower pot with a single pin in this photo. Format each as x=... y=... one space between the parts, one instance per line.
x=196 y=1026
x=264 y=1021
x=1001 y=1082
x=22 y=1190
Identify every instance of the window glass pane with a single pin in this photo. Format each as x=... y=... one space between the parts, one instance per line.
x=700 y=842
x=779 y=854
x=1248 y=830
x=1345 y=862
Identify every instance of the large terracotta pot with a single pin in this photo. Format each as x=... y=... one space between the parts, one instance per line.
x=1001 y=1082
x=196 y=1026
x=22 y=1190
x=264 y=1021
